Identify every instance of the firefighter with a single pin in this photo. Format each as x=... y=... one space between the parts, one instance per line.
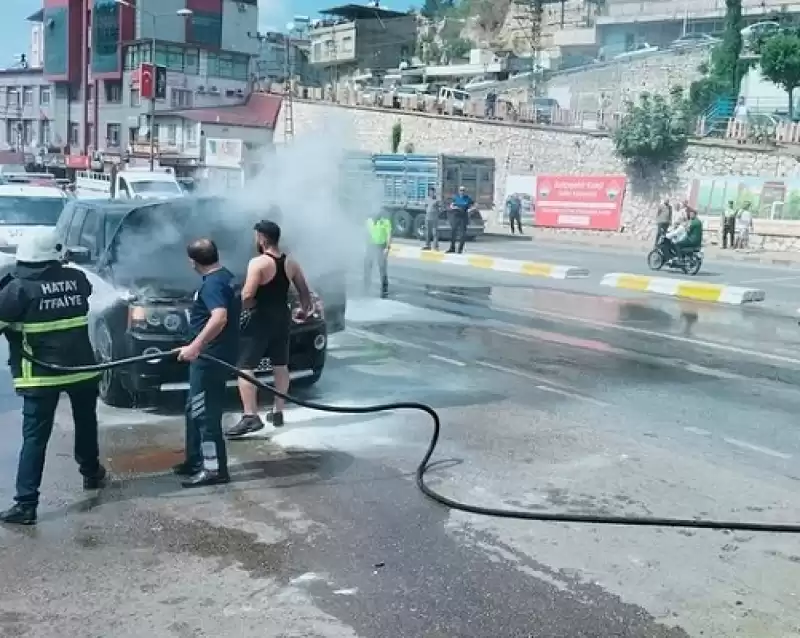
x=43 y=310
x=379 y=242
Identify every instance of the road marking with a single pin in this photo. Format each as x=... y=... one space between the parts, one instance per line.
x=757 y=448
x=446 y=360
x=713 y=372
x=699 y=431
x=386 y=341
x=573 y=395
x=769 y=280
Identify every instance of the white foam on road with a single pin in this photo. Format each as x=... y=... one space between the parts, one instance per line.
x=383 y=310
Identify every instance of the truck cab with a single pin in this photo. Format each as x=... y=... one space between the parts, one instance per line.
x=128 y=184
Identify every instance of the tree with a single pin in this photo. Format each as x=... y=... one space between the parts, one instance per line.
x=436 y=8
x=397 y=136
x=780 y=63
x=656 y=130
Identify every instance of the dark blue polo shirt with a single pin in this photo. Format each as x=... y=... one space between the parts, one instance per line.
x=463 y=203
x=217 y=291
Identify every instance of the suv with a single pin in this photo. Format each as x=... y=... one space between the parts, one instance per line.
x=134 y=254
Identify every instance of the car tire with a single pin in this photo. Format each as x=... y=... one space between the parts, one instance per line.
x=111 y=388
x=402 y=224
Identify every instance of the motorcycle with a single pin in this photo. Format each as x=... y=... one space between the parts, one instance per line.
x=690 y=261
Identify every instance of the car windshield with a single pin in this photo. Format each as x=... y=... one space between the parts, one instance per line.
x=30 y=211
x=155 y=187
x=460 y=95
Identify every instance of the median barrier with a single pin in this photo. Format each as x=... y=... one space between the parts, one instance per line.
x=683 y=288
x=514 y=266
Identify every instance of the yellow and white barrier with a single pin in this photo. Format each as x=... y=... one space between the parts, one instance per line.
x=513 y=266
x=685 y=289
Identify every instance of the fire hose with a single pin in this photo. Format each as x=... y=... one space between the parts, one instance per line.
x=424 y=465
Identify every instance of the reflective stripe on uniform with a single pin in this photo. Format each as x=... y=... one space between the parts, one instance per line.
x=49 y=382
x=51 y=326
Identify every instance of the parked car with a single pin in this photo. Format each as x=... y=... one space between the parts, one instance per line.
x=134 y=255
x=759 y=30
x=640 y=49
x=543 y=109
x=689 y=40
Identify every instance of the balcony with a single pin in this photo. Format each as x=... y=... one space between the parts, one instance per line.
x=575 y=37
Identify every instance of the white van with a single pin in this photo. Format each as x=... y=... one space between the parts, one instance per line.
x=27 y=209
x=456 y=97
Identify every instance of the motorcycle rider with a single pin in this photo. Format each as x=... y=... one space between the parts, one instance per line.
x=693 y=239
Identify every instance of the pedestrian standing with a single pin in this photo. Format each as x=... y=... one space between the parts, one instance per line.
x=214 y=321
x=44 y=307
x=729 y=225
x=663 y=220
x=431 y=220
x=745 y=224
x=460 y=208
x=265 y=297
x=514 y=206
x=379 y=241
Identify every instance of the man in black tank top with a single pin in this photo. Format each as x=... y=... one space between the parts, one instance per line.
x=265 y=333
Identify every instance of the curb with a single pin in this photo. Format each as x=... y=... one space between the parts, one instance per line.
x=699 y=291
x=533 y=269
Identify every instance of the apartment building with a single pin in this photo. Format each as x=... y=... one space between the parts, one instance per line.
x=353 y=39
x=85 y=96
x=279 y=53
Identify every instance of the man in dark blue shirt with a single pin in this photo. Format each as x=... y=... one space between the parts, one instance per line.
x=459 y=217
x=214 y=320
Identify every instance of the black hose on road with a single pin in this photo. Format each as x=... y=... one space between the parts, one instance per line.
x=424 y=465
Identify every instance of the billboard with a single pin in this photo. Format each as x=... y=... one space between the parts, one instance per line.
x=590 y=202
x=770 y=198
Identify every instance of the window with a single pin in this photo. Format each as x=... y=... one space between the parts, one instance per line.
x=241 y=67
x=113 y=133
x=44 y=95
x=74 y=134
x=172 y=135
x=133 y=135
x=347 y=45
x=27 y=96
x=113 y=89
x=45 y=133
x=27 y=132
x=206 y=28
x=212 y=64
x=225 y=66
x=130 y=58
x=89 y=231
x=180 y=98
x=317 y=52
x=31 y=211
x=190 y=135
x=174 y=58
x=135 y=99
x=74 y=231
x=12 y=97
x=123 y=187
x=191 y=62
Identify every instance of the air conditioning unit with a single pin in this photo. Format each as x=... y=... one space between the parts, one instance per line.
x=242 y=7
x=201 y=89
x=239 y=93
x=213 y=90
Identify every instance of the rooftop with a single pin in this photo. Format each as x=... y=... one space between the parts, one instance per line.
x=37 y=17
x=362 y=12
x=260 y=110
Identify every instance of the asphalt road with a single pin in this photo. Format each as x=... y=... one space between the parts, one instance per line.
x=781 y=283
x=553 y=398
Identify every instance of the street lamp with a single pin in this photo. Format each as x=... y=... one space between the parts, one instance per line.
x=183 y=13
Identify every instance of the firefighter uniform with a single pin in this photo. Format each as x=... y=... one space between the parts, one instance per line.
x=380 y=238
x=43 y=312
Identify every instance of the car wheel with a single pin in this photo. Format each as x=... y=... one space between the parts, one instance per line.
x=403 y=224
x=420 y=228
x=655 y=260
x=112 y=390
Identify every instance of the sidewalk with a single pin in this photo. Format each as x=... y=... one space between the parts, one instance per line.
x=618 y=242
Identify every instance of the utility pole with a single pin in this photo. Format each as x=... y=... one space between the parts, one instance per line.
x=261 y=38
x=288 y=114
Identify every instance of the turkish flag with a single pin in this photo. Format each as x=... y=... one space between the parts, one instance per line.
x=147 y=81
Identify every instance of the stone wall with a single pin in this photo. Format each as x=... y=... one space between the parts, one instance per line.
x=529 y=150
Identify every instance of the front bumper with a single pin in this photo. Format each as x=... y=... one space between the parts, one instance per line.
x=307 y=351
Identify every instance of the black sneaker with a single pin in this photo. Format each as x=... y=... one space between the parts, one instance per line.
x=426 y=248
x=205 y=478
x=97 y=481
x=275 y=419
x=184 y=469
x=248 y=424
x=19 y=514
x=450 y=251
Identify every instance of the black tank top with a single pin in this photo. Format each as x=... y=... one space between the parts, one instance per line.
x=272 y=298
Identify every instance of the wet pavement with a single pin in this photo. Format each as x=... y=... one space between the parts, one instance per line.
x=553 y=398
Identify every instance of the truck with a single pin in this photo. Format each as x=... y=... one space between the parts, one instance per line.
x=130 y=183
x=404 y=180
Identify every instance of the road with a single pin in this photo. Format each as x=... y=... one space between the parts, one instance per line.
x=553 y=398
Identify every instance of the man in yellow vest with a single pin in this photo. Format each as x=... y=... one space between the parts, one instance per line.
x=379 y=241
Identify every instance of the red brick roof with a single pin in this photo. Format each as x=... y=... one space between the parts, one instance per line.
x=259 y=111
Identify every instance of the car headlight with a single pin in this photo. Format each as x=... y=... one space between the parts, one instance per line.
x=156 y=319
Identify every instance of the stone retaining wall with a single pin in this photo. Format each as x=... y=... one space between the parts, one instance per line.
x=540 y=150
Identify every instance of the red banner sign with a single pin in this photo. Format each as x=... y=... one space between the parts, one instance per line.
x=592 y=202
x=147 y=81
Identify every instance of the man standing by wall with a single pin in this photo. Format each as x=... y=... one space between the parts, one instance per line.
x=729 y=225
x=460 y=207
x=514 y=207
x=663 y=220
x=379 y=242
x=214 y=319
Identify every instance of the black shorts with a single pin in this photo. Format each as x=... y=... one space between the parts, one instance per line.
x=268 y=339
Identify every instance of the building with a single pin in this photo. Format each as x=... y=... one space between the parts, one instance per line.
x=280 y=53
x=84 y=96
x=355 y=39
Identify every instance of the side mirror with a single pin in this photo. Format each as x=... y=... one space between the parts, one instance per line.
x=78 y=255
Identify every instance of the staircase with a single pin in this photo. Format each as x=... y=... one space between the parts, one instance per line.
x=717 y=115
